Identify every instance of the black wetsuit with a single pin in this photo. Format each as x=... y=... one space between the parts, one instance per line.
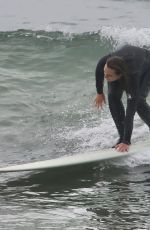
x=138 y=62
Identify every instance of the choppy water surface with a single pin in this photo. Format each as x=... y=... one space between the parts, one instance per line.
x=102 y=197
x=47 y=88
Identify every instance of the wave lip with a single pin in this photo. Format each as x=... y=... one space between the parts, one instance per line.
x=114 y=35
x=122 y=35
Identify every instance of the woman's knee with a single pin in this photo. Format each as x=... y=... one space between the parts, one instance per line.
x=141 y=104
x=113 y=97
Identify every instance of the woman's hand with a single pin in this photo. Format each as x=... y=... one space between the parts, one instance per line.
x=100 y=100
x=122 y=147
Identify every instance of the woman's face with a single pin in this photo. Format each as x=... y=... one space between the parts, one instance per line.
x=110 y=74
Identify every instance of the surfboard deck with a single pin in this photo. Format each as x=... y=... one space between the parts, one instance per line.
x=78 y=159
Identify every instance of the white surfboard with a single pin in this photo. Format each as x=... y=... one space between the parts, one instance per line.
x=78 y=159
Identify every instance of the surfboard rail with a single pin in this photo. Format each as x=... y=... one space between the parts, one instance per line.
x=77 y=159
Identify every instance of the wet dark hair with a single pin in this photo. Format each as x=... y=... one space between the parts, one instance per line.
x=120 y=67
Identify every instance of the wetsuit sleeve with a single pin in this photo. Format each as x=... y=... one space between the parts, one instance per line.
x=99 y=74
x=132 y=100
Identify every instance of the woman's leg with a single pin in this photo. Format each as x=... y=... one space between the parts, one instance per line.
x=116 y=107
x=143 y=109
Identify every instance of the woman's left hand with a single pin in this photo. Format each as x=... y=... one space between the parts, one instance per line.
x=122 y=147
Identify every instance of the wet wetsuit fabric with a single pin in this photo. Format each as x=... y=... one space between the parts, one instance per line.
x=138 y=62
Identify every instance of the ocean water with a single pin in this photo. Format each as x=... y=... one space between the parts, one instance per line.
x=48 y=54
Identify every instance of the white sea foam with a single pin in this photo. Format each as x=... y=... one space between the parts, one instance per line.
x=104 y=135
x=123 y=35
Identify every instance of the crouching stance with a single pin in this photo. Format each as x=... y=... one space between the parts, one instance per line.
x=127 y=69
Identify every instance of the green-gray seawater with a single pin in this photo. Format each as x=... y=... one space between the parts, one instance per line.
x=47 y=92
